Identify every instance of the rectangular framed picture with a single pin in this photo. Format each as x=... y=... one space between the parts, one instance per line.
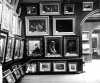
x=85 y=35
x=63 y=25
x=53 y=46
x=21 y=49
x=50 y=8
x=59 y=67
x=9 y=76
x=71 y=46
x=32 y=9
x=72 y=66
x=45 y=66
x=68 y=9
x=87 y=6
x=31 y=68
x=10 y=49
x=37 y=25
x=17 y=48
x=35 y=46
x=3 y=45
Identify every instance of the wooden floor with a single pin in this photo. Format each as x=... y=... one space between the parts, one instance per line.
x=91 y=75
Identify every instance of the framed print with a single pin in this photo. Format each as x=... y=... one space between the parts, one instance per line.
x=10 y=48
x=50 y=8
x=17 y=48
x=68 y=8
x=45 y=66
x=35 y=46
x=53 y=45
x=9 y=76
x=63 y=25
x=59 y=66
x=37 y=25
x=32 y=9
x=31 y=68
x=71 y=46
x=3 y=45
x=87 y=6
x=85 y=35
x=72 y=67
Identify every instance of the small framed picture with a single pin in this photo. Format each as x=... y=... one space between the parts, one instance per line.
x=68 y=8
x=71 y=46
x=35 y=46
x=9 y=76
x=72 y=66
x=32 y=9
x=53 y=45
x=31 y=68
x=85 y=35
x=49 y=8
x=3 y=45
x=59 y=66
x=87 y=6
x=45 y=66
x=37 y=25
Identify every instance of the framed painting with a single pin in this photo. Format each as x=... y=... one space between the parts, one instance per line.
x=50 y=8
x=63 y=25
x=85 y=35
x=31 y=68
x=10 y=49
x=72 y=66
x=21 y=49
x=71 y=46
x=37 y=25
x=3 y=45
x=9 y=76
x=87 y=6
x=68 y=9
x=45 y=66
x=32 y=9
x=17 y=48
x=35 y=46
x=59 y=67
x=53 y=46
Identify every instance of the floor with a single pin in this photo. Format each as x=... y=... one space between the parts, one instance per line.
x=91 y=75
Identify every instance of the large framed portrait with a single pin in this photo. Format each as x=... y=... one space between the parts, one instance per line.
x=17 y=48
x=72 y=66
x=37 y=25
x=10 y=48
x=35 y=46
x=59 y=67
x=71 y=46
x=9 y=76
x=63 y=25
x=31 y=68
x=50 y=8
x=68 y=9
x=53 y=46
x=3 y=45
x=45 y=66
x=87 y=6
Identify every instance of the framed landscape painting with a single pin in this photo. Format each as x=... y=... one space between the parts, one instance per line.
x=37 y=25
